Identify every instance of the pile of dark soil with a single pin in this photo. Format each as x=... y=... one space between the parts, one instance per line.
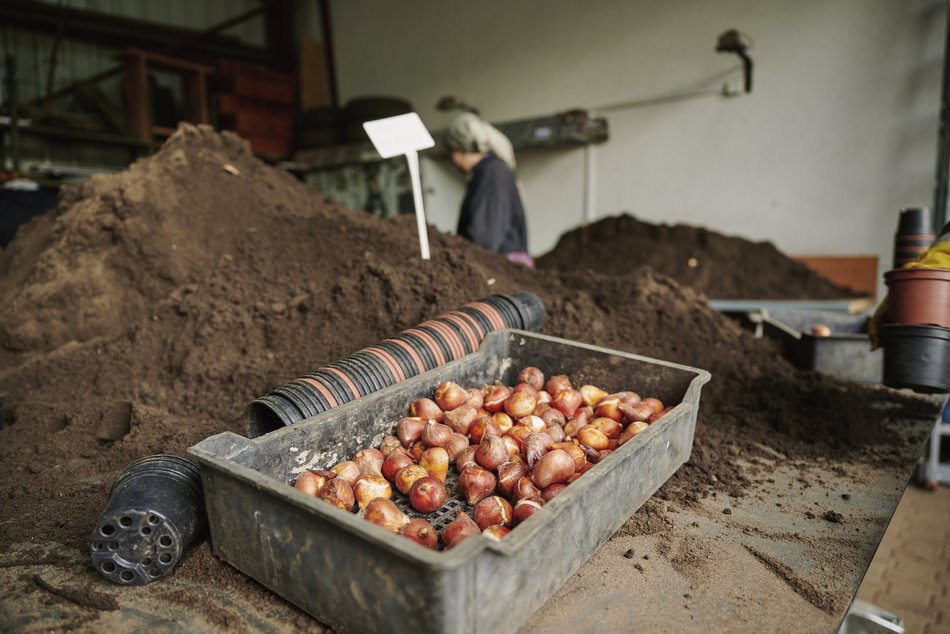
x=156 y=303
x=721 y=267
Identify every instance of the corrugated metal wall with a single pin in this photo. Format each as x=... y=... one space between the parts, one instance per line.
x=184 y=13
x=76 y=60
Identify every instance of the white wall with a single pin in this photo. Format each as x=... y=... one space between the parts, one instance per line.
x=837 y=135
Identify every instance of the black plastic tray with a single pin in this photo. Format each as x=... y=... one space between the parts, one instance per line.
x=845 y=353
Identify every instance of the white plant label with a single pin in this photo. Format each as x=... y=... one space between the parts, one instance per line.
x=402 y=134
x=405 y=134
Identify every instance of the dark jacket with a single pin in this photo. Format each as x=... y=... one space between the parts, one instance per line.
x=492 y=215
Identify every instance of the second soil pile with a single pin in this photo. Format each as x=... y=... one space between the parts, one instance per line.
x=156 y=303
x=722 y=267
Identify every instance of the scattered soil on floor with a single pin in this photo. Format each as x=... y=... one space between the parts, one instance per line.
x=155 y=304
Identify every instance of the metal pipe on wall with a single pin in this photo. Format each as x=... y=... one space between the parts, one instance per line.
x=327 y=26
x=13 y=99
x=943 y=136
x=590 y=190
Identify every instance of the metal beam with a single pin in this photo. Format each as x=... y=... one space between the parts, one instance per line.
x=177 y=46
x=120 y=32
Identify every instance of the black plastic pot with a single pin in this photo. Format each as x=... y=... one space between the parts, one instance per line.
x=916 y=357
x=154 y=513
x=532 y=309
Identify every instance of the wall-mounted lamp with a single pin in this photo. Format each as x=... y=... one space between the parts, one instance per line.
x=732 y=41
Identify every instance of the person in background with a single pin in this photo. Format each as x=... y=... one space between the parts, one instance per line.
x=492 y=214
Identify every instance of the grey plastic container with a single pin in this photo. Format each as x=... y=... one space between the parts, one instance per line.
x=357 y=577
x=845 y=353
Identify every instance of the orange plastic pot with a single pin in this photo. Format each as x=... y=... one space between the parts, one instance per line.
x=919 y=296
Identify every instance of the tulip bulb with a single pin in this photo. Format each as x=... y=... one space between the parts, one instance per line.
x=627 y=397
x=450 y=395
x=407 y=477
x=457 y=444
x=520 y=404
x=552 y=416
x=610 y=427
x=409 y=429
x=509 y=474
x=346 y=470
x=555 y=432
x=495 y=398
x=436 y=434
x=496 y=532
x=311 y=481
x=567 y=401
x=483 y=425
x=492 y=510
x=534 y=423
x=519 y=433
x=525 y=488
x=427 y=494
x=514 y=448
x=476 y=484
x=369 y=461
x=660 y=414
x=383 y=512
x=636 y=411
x=591 y=395
x=491 y=452
x=339 y=493
x=435 y=460
x=609 y=408
x=590 y=436
x=525 y=508
x=421 y=532
x=458 y=530
x=532 y=376
x=415 y=451
x=476 y=398
x=575 y=452
x=426 y=409
x=388 y=444
x=550 y=492
x=632 y=430
x=466 y=458
x=503 y=422
x=369 y=487
x=396 y=461
x=461 y=418
x=535 y=446
x=557 y=383
x=555 y=466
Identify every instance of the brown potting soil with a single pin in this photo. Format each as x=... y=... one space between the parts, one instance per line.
x=719 y=266
x=155 y=304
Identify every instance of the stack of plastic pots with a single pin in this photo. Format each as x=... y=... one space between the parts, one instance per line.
x=154 y=513
x=915 y=234
x=916 y=339
x=428 y=345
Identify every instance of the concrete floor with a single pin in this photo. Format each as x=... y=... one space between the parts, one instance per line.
x=910 y=573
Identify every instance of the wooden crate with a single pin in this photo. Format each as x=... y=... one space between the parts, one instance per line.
x=258 y=104
x=857 y=272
